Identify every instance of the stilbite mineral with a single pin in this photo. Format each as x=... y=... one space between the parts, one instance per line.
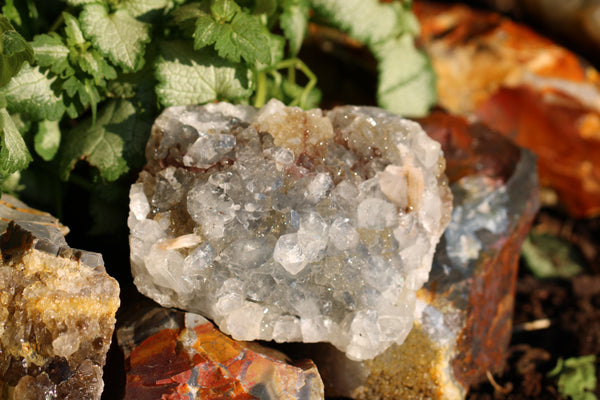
x=57 y=310
x=290 y=225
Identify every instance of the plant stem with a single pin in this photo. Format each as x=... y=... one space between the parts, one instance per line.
x=261 y=90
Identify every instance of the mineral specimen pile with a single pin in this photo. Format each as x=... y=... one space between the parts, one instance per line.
x=57 y=310
x=290 y=225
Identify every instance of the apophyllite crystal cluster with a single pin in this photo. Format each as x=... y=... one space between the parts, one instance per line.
x=290 y=225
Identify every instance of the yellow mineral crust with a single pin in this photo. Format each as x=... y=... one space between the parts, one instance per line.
x=55 y=307
x=302 y=132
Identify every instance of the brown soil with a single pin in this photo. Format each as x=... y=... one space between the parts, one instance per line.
x=572 y=308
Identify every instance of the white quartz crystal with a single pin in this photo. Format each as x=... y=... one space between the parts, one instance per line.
x=290 y=225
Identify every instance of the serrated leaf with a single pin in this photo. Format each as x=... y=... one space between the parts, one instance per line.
x=366 y=20
x=276 y=45
x=30 y=92
x=14 y=155
x=224 y=10
x=50 y=51
x=14 y=51
x=73 y=30
x=103 y=144
x=117 y=35
x=196 y=77
x=244 y=37
x=294 y=20
x=47 y=139
x=95 y=65
x=144 y=8
x=406 y=79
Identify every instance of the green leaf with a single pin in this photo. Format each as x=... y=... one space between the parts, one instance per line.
x=11 y=12
x=14 y=51
x=294 y=21
x=47 y=139
x=95 y=65
x=224 y=10
x=366 y=20
x=104 y=144
x=406 y=78
x=548 y=256
x=144 y=8
x=267 y=7
x=276 y=45
x=117 y=35
x=73 y=30
x=30 y=92
x=576 y=377
x=14 y=155
x=196 y=77
x=50 y=51
x=82 y=2
x=245 y=37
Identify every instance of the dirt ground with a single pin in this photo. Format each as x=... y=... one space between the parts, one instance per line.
x=566 y=310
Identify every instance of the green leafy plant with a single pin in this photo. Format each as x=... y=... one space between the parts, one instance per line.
x=84 y=79
x=576 y=377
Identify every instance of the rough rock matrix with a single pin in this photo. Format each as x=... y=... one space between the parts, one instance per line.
x=57 y=311
x=290 y=225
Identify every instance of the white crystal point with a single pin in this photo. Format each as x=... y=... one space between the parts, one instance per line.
x=290 y=225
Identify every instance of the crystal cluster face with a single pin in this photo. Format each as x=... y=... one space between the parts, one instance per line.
x=290 y=225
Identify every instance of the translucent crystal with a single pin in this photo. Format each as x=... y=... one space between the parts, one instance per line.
x=290 y=225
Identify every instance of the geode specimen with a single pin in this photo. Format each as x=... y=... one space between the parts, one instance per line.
x=57 y=311
x=286 y=225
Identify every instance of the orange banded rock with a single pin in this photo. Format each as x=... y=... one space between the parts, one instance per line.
x=523 y=85
x=175 y=355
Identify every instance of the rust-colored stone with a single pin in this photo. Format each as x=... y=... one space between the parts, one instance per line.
x=171 y=355
x=523 y=85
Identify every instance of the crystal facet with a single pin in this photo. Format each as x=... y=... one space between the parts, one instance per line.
x=290 y=225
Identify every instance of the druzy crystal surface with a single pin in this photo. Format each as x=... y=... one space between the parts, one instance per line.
x=290 y=225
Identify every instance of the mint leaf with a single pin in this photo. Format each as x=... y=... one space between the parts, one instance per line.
x=50 y=51
x=30 y=92
x=117 y=35
x=406 y=78
x=366 y=20
x=47 y=139
x=196 y=77
x=103 y=144
x=14 y=51
x=95 y=65
x=144 y=8
x=73 y=30
x=224 y=10
x=14 y=155
x=294 y=21
x=244 y=37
